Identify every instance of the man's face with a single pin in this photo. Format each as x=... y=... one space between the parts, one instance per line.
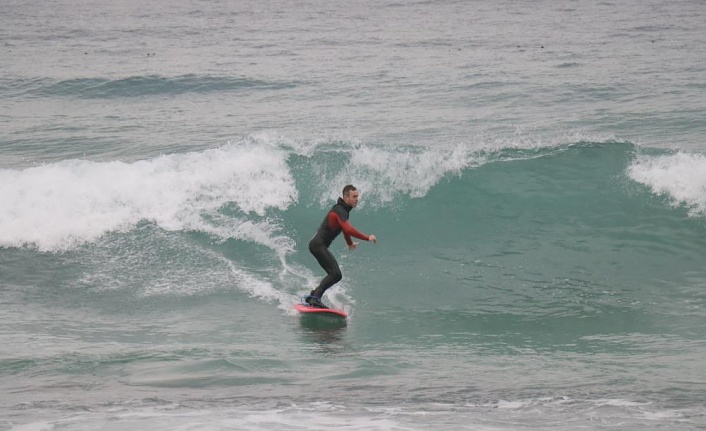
x=351 y=198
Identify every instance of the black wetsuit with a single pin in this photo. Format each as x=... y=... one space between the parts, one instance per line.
x=335 y=222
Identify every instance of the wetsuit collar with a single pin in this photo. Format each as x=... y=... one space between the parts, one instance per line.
x=344 y=204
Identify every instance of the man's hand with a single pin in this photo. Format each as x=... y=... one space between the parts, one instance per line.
x=373 y=238
x=352 y=246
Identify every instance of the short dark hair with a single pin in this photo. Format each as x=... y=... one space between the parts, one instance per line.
x=348 y=189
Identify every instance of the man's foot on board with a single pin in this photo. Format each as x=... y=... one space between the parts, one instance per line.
x=314 y=301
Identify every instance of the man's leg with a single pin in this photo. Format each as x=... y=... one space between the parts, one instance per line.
x=329 y=264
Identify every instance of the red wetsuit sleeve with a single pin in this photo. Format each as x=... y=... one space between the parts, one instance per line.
x=347 y=228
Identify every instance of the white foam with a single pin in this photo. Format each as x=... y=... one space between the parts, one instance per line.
x=681 y=177
x=501 y=415
x=61 y=205
x=35 y=426
x=260 y=288
x=319 y=417
x=383 y=173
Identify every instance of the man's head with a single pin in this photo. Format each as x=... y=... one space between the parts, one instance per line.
x=350 y=195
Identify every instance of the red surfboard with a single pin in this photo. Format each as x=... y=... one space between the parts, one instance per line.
x=309 y=309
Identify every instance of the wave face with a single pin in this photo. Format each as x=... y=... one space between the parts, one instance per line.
x=633 y=216
x=573 y=262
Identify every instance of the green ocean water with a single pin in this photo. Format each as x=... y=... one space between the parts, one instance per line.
x=542 y=282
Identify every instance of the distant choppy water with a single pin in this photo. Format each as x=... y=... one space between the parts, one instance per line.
x=535 y=173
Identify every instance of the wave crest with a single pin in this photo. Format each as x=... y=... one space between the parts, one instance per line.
x=61 y=205
x=134 y=86
x=680 y=176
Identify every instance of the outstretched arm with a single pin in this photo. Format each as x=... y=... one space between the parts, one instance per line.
x=349 y=231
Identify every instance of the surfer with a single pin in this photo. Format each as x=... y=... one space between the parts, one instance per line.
x=335 y=222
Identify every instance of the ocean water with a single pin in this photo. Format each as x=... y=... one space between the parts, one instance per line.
x=535 y=173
